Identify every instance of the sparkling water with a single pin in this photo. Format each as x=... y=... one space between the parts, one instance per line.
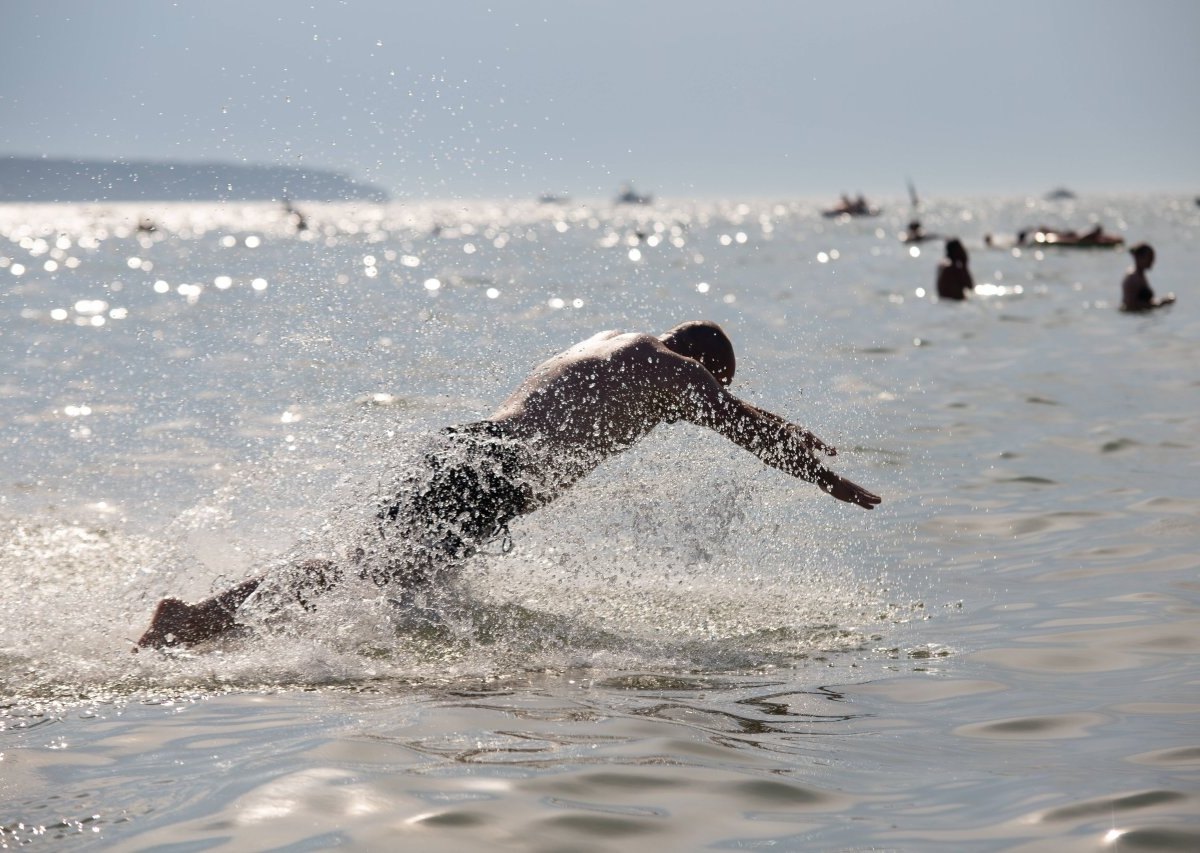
x=687 y=650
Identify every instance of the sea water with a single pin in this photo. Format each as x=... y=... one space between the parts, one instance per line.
x=688 y=650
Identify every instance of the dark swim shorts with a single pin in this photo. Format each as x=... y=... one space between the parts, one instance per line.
x=471 y=486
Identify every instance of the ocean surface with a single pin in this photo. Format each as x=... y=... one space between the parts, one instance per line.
x=688 y=650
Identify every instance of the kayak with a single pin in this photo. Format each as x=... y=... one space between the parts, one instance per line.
x=833 y=213
x=1041 y=239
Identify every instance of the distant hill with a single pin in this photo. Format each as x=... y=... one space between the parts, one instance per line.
x=36 y=179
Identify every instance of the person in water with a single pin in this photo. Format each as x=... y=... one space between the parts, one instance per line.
x=294 y=216
x=1136 y=294
x=916 y=233
x=585 y=404
x=953 y=278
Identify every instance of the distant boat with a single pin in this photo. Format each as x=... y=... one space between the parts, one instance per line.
x=851 y=207
x=1044 y=236
x=1060 y=194
x=629 y=196
x=551 y=198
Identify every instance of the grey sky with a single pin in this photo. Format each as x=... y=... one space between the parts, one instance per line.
x=685 y=97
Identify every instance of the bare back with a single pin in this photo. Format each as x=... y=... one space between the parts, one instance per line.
x=953 y=281
x=1136 y=294
x=603 y=394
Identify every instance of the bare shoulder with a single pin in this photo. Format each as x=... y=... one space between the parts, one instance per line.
x=647 y=349
x=600 y=353
x=603 y=344
x=606 y=335
x=634 y=355
x=668 y=371
x=621 y=341
x=619 y=347
x=629 y=354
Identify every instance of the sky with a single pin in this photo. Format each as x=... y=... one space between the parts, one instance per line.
x=686 y=98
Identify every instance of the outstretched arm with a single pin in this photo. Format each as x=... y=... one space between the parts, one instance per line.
x=810 y=441
x=782 y=445
x=785 y=446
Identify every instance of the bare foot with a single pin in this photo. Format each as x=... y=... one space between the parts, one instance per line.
x=167 y=622
x=176 y=623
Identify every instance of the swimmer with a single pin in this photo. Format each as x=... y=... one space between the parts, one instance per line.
x=585 y=404
x=953 y=278
x=294 y=216
x=1136 y=294
x=915 y=233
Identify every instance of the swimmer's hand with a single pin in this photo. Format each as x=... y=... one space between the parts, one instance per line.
x=848 y=491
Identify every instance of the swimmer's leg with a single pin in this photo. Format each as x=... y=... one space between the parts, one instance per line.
x=412 y=610
x=176 y=623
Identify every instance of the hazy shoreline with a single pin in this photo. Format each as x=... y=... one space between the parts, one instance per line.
x=36 y=179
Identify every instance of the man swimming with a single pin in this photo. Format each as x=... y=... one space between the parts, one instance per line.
x=594 y=400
